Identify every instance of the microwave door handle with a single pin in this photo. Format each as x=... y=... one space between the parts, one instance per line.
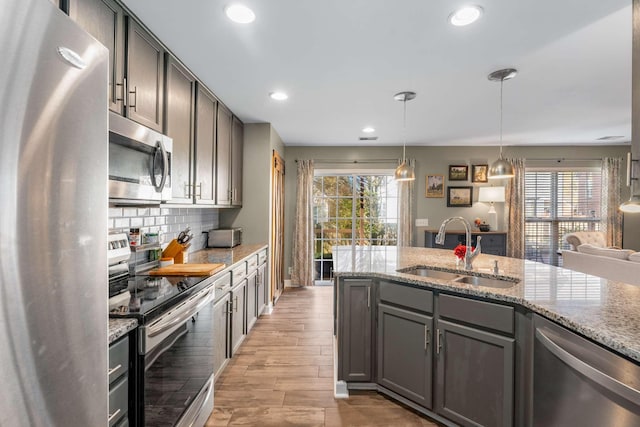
x=165 y=166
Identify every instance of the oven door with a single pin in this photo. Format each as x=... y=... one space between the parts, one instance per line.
x=139 y=162
x=176 y=355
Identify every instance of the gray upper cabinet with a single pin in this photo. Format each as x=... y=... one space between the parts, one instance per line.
x=475 y=375
x=179 y=114
x=237 y=145
x=205 y=139
x=104 y=20
x=145 y=75
x=356 y=341
x=223 y=160
x=405 y=353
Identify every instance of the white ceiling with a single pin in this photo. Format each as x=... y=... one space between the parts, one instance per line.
x=341 y=62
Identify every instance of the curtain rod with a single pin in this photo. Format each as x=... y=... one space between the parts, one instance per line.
x=354 y=161
x=562 y=159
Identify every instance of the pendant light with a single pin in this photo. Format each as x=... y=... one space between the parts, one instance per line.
x=404 y=172
x=633 y=204
x=501 y=168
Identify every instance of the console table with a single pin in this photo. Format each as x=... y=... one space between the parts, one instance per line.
x=493 y=242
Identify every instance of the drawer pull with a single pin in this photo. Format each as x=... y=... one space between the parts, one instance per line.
x=112 y=370
x=112 y=416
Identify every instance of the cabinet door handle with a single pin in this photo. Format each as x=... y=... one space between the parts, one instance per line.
x=134 y=92
x=121 y=97
x=228 y=311
x=426 y=337
x=369 y=297
x=235 y=306
x=199 y=187
x=438 y=341
x=112 y=416
x=112 y=370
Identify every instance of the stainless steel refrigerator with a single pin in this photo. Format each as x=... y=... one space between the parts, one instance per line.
x=53 y=219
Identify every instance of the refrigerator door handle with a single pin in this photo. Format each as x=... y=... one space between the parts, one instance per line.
x=72 y=58
x=165 y=166
x=619 y=388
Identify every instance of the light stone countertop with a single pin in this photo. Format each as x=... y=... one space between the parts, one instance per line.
x=120 y=327
x=606 y=311
x=228 y=256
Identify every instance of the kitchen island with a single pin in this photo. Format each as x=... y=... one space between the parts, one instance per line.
x=476 y=355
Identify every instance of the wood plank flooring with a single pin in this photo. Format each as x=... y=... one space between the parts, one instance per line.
x=283 y=374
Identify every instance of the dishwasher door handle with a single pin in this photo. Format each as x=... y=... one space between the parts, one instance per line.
x=619 y=388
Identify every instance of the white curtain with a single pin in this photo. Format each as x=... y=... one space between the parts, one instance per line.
x=302 y=255
x=611 y=216
x=515 y=203
x=406 y=196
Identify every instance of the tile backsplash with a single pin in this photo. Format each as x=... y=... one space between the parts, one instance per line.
x=166 y=221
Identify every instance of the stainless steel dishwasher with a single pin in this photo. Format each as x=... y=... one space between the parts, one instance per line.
x=578 y=383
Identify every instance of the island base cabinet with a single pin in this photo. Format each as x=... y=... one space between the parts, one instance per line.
x=356 y=328
x=405 y=355
x=474 y=380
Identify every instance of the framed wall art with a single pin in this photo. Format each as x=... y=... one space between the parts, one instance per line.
x=459 y=197
x=435 y=186
x=479 y=173
x=458 y=173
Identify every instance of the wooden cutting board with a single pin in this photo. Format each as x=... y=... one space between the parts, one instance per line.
x=187 y=270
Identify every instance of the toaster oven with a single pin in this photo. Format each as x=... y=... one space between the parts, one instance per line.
x=224 y=237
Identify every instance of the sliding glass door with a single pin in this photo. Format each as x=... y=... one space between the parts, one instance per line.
x=351 y=210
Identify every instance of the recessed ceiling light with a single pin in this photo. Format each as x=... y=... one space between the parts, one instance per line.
x=239 y=13
x=278 y=96
x=465 y=15
x=368 y=129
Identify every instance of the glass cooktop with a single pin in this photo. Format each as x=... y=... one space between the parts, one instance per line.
x=152 y=295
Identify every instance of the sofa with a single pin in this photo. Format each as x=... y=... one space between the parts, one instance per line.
x=589 y=254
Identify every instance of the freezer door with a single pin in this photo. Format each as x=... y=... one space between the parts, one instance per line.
x=53 y=220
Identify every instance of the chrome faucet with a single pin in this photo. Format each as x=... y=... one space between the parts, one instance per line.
x=468 y=254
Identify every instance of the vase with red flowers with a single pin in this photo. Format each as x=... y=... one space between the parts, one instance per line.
x=460 y=251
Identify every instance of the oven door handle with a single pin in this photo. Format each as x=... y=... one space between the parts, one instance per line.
x=190 y=308
x=165 y=166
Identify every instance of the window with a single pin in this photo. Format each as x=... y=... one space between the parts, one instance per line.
x=352 y=210
x=559 y=202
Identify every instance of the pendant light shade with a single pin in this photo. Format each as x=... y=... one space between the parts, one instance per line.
x=404 y=172
x=501 y=168
x=632 y=205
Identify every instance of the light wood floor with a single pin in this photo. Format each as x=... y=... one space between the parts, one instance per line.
x=283 y=374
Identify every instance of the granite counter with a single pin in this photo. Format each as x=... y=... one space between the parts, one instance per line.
x=120 y=327
x=226 y=256
x=605 y=311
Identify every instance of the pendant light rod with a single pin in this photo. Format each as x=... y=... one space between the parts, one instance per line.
x=404 y=172
x=501 y=168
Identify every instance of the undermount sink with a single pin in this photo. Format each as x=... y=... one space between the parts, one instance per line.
x=429 y=272
x=485 y=281
x=460 y=278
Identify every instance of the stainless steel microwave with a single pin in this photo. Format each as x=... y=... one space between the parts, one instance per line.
x=139 y=163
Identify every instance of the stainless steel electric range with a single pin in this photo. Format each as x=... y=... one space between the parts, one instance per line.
x=174 y=360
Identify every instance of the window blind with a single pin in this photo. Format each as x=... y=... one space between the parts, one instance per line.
x=558 y=202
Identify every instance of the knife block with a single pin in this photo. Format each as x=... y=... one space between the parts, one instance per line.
x=172 y=250
x=181 y=257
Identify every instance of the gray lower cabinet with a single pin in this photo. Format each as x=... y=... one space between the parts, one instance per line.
x=262 y=290
x=252 y=300
x=475 y=375
x=405 y=353
x=221 y=354
x=119 y=382
x=238 y=304
x=356 y=340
